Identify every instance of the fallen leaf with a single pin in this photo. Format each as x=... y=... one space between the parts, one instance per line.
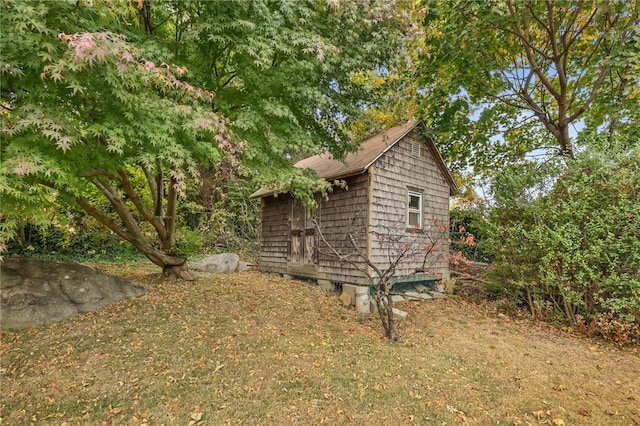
x=538 y=414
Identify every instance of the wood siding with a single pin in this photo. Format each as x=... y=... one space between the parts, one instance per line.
x=346 y=211
x=274 y=234
x=395 y=173
x=376 y=200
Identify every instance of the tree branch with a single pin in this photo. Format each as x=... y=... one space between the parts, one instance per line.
x=170 y=215
x=119 y=206
x=104 y=219
x=139 y=205
x=231 y=77
x=153 y=190
x=523 y=36
x=592 y=95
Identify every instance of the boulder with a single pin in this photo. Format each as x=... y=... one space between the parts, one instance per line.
x=243 y=266
x=218 y=263
x=35 y=292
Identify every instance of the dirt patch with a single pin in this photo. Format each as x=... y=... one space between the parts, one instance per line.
x=250 y=348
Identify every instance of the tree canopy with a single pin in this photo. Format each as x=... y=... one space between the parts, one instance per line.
x=532 y=72
x=115 y=105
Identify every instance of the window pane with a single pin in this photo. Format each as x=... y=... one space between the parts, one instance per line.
x=414 y=219
x=414 y=201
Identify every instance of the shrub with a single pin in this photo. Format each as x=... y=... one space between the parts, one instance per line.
x=567 y=241
x=467 y=231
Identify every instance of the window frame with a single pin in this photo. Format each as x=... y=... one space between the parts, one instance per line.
x=410 y=210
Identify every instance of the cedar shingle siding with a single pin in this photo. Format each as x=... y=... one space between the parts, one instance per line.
x=378 y=179
x=393 y=175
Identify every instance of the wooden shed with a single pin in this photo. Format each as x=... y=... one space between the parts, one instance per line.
x=395 y=183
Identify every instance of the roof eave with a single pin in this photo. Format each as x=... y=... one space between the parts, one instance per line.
x=261 y=193
x=392 y=144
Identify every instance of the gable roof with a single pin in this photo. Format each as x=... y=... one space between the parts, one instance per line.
x=371 y=149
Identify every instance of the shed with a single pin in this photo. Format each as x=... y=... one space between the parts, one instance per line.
x=396 y=189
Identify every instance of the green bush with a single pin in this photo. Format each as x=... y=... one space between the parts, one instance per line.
x=567 y=241
x=79 y=239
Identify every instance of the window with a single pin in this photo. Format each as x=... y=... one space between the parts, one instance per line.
x=414 y=210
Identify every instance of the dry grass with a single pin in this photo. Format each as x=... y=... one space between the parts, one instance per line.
x=256 y=349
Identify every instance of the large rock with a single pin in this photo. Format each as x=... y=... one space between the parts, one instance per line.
x=34 y=292
x=218 y=263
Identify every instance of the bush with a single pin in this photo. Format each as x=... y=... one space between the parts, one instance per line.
x=567 y=241
x=468 y=232
x=80 y=238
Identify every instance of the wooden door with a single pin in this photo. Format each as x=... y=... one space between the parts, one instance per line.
x=302 y=242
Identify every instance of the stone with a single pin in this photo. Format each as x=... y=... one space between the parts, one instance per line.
x=350 y=289
x=325 y=285
x=399 y=314
x=218 y=263
x=414 y=295
x=36 y=292
x=420 y=288
x=362 y=300
x=398 y=299
x=373 y=305
x=243 y=266
x=438 y=295
x=346 y=299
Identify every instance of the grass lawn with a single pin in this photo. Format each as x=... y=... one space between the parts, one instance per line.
x=250 y=348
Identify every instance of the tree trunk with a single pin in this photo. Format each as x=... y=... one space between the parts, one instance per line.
x=385 y=311
x=172 y=266
x=178 y=272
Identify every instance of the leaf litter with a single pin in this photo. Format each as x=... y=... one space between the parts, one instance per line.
x=251 y=348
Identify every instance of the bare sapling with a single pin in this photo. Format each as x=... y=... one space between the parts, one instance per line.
x=398 y=252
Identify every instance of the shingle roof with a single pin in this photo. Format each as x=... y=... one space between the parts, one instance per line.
x=358 y=162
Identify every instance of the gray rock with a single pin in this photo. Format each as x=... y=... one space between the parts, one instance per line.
x=421 y=288
x=398 y=299
x=414 y=295
x=243 y=266
x=399 y=315
x=35 y=292
x=218 y=263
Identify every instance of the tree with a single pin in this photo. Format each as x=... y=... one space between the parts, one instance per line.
x=87 y=114
x=98 y=118
x=401 y=249
x=529 y=70
x=283 y=74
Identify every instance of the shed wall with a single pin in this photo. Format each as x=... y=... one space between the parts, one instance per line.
x=274 y=234
x=345 y=212
x=393 y=175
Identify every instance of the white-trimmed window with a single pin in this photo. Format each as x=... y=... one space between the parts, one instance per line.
x=414 y=209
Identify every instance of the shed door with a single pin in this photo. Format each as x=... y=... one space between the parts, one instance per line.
x=302 y=246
